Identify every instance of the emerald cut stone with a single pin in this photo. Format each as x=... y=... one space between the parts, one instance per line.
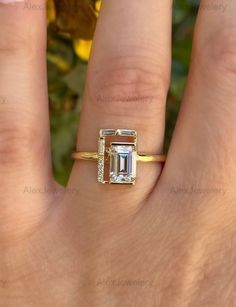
x=122 y=163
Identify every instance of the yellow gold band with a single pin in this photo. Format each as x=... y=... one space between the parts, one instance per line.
x=141 y=157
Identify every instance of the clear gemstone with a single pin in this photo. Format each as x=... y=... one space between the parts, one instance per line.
x=122 y=163
x=107 y=132
x=125 y=132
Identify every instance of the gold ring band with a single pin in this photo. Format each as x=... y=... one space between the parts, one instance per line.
x=141 y=157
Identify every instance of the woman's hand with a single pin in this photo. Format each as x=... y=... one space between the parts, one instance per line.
x=169 y=240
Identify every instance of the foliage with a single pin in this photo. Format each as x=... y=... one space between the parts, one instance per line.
x=71 y=25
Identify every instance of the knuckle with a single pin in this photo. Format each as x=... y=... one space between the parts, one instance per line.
x=17 y=43
x=19 y=143
x=218 y=51
x=129 y=88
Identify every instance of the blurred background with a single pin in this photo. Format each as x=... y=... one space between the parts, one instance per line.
x=71 y=25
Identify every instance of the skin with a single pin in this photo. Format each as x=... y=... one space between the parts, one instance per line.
x=168 y=241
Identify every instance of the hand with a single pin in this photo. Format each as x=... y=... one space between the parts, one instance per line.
x=169 y=240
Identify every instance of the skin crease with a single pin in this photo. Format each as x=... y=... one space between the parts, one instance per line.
x=169 y=240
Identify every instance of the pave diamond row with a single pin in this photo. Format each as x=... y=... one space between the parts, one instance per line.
x=101 y=158
x=100 y=169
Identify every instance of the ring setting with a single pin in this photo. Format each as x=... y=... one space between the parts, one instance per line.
x=117 y=156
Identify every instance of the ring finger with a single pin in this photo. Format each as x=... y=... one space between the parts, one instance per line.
x=127 y=84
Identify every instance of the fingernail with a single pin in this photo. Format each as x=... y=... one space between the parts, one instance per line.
x=10 y=1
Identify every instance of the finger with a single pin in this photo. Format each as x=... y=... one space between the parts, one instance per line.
x=203 y=150
x=24 y=128
x=127 y=82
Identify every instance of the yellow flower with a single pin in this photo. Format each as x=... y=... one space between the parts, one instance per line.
x=51 y=12
x=98 y=5
x=83 y=48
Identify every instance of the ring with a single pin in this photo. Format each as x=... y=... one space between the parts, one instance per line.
x=117 y=156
